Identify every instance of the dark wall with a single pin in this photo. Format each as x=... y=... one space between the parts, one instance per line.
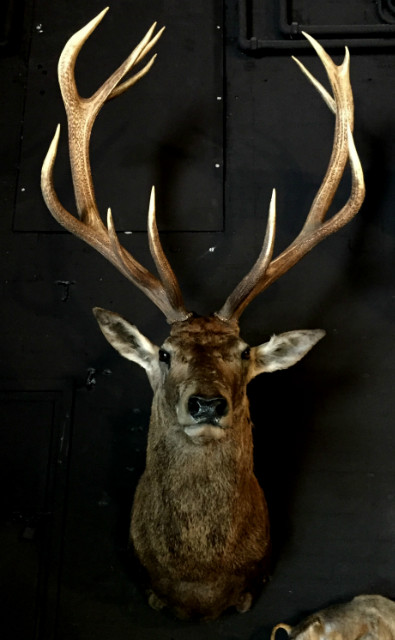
x=222 y=118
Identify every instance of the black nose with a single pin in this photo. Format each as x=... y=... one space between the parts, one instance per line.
x=207 y=409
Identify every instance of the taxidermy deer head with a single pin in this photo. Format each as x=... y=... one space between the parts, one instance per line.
x=199 y=523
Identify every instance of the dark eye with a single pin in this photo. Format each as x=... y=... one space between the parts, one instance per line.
x=245 y=355
x=164 y=356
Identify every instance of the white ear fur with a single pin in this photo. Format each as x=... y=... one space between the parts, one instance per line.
x=284 y=350
x=128 y=340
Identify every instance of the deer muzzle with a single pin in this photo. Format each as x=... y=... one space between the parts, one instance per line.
x=204 y=416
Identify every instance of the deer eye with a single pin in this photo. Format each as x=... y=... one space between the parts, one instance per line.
x=164 y=356
x=245 y=355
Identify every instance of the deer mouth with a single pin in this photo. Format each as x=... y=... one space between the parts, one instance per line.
x=204 y=432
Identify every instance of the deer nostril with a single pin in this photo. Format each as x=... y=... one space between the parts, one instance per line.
x=194 y=406
x=221 y=406
x=207 y=409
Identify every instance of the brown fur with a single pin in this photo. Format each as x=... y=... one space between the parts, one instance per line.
x=364 y=618
x=200 y=522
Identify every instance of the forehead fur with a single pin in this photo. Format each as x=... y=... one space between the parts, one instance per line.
x=205 y=331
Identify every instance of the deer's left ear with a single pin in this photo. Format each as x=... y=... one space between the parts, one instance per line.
x=284 y=350
x=128 y=341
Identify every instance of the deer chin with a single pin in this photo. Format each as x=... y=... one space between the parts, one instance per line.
x=201 y=433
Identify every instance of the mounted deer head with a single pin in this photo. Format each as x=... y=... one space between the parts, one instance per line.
x=199 y=523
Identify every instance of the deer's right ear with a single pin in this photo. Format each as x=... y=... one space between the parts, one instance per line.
x=284 y=350
x=128 y=340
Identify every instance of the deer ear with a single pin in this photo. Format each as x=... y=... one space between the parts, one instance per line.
x=127 y=339
x=284 y=350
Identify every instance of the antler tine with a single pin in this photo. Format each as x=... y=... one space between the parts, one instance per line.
x=145 y=46
x=169 y=294
x=315 y=228
x=81 y=114
x=241 y=295
x=162 y=264
x=168 y=299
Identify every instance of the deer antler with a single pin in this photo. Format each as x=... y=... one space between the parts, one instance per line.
x=265 y=271
x=81 y=114
x=164 y=291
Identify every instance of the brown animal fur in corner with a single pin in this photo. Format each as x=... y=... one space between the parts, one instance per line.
x=364 y=618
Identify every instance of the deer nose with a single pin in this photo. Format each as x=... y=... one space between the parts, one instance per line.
x=207 y=409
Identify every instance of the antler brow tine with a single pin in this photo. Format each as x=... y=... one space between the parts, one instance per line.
x=315 y=228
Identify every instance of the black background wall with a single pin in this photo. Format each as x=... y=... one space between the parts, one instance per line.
x=223 y=117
